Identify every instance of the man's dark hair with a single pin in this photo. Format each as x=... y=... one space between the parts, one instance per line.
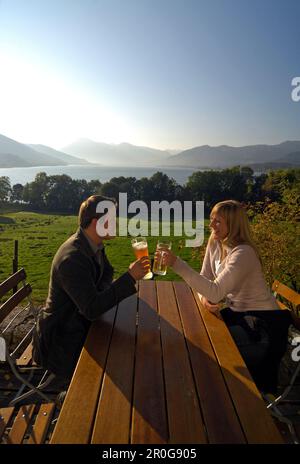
x=87 y=210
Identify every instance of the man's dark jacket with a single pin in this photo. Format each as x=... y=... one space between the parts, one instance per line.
x=79 y=292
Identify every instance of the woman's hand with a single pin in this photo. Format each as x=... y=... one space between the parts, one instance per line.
x=138 y=269
x=212 y=307
x=168 y=257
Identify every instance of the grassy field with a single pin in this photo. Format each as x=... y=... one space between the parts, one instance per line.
x=40 y=235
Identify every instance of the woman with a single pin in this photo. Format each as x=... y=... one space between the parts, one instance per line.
x=232 y=272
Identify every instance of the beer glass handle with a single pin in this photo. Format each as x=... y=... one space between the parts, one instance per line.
x=162 y=254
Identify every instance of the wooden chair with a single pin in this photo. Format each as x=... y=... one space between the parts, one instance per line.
x=28 y=424
x=287 y=299
x=23 y=366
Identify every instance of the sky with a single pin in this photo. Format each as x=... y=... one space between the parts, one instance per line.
x=168 y=74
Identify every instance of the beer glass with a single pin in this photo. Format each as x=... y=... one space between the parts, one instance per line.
x=140 y=248
x=158 y=267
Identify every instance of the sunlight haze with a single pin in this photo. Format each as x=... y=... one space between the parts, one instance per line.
x=165 y=74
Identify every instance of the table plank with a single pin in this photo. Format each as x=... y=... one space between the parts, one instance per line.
x=76 y=417
x=112 y=424
x=255 y=419
x=185 y=421
x=222 y=423
x=149 y=422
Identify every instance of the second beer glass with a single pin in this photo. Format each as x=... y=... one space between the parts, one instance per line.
x=158 y=267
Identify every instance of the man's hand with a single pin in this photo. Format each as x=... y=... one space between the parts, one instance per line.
x=138 y=269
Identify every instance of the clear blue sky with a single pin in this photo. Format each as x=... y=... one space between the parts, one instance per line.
x=161 y=73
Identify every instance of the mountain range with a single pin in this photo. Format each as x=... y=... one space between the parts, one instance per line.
x=123 y=154
x=286 y=153
x=86 y=152
x=14 y=154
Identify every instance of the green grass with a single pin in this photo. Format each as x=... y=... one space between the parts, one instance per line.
x=40 y=235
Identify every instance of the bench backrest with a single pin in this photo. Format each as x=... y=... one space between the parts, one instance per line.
x=17 y=297
x=11 y=303
x=292 y=297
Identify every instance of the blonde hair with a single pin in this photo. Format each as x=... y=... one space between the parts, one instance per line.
x=237 y=223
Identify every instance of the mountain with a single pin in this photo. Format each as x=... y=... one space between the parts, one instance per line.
x=123 y=154
x=58 y=154
x=292 y=158
x=14 y=154
x=85 y=151
x=225 y=156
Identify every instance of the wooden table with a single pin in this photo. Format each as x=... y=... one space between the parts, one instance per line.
x=160 y=369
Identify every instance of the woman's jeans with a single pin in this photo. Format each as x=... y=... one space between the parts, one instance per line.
x=261 y=337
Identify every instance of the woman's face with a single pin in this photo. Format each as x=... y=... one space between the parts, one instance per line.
x=218 y=227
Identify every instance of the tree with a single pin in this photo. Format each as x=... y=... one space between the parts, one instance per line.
x=127 y=185
x=5 y=188
x=276 y=231
x=35 y=192
x=257 y=193
x=61 y=194
x=94 y=187
x=110 y=189
x=280 y=180
x=17 y=192
x=205 y=186
x=145 y=189
x=163 y=187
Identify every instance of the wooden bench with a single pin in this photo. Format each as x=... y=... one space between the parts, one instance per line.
x=25 y=359
x=287 y=299
x=20 y=360
x=30 y=424
x=291 y=300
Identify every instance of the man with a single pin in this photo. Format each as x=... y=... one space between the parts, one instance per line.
x=81 y=289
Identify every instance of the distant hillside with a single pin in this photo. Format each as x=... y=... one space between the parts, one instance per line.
x=225 y=156
x=7 y=160
x=14 y=154
x=123 y=154
x=58 y=154
x=292 y=158
x=85 y=151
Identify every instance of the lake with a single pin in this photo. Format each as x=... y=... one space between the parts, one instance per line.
x=101 y=173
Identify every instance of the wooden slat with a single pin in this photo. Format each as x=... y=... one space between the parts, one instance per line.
x=281 y=305
x=149 y=421
x=222 y=423
x=112 y=423
x=13 y=301
x=21 y=424
x=257 y=423
x=185 y=421
x=41 y=424
x=75 y=420
x=286 y=292
x=5 y=416
x=12 y=281
x=26 y=357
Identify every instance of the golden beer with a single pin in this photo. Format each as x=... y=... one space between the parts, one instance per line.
x=140 y=248
x=158 y=267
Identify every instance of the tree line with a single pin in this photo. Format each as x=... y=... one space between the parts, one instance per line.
x=61 y=193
